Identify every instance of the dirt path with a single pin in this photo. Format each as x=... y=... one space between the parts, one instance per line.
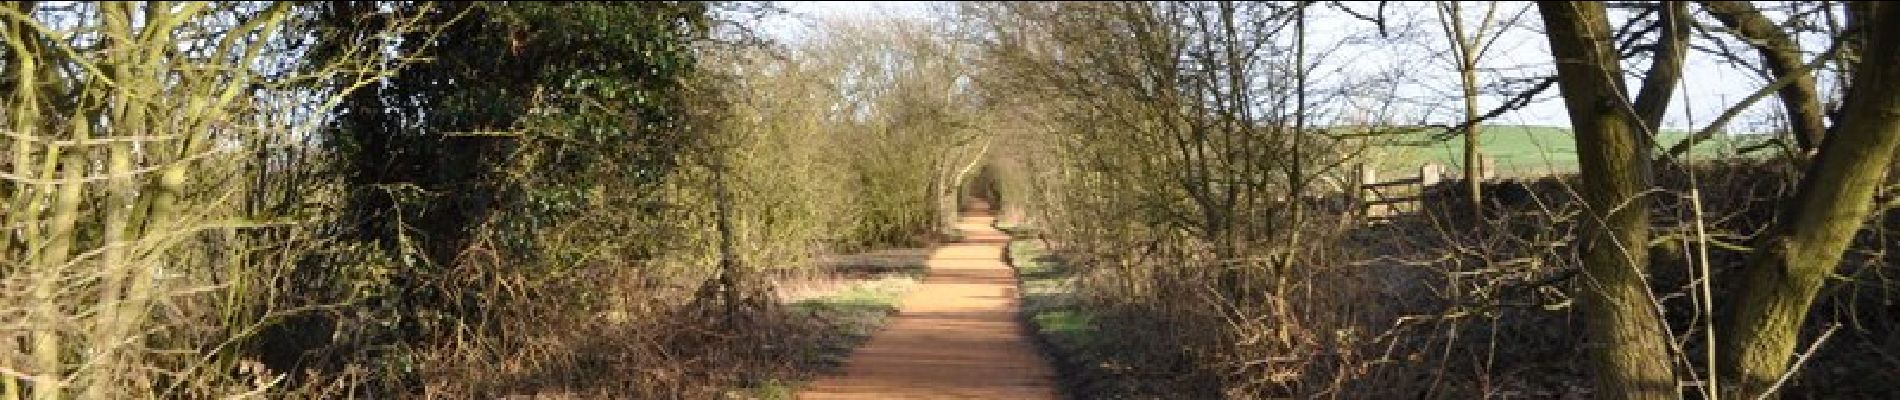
x=956 y=336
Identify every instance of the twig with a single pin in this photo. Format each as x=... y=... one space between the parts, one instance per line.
x=1733 y=111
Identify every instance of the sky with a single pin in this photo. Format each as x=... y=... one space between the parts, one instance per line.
x=1431 y=82
x=802 y=15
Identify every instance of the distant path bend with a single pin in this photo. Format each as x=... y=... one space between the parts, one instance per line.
x=957 y=336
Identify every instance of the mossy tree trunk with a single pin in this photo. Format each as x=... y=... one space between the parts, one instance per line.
x=1760 y=327
x=1630 y=354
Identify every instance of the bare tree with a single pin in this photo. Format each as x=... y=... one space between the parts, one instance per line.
x=122 y=118
x=1468 y=47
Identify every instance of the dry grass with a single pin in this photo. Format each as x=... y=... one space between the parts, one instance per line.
x=666 y=348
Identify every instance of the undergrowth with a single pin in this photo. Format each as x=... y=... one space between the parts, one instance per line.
x=1092 y=360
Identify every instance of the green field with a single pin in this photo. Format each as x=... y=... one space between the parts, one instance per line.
x=1520 y=150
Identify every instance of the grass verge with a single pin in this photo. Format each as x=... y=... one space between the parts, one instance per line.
x=1070 y=334
x=836 y=323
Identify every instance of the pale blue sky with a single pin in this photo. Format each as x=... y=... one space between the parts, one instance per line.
x=899 y=8
x=1430 y=82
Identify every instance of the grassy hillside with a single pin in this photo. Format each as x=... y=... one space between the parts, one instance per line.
x=1521 y=150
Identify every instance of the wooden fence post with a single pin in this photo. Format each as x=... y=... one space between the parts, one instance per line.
x=1487 y=168
x=1367 y=175
x=1429 y=175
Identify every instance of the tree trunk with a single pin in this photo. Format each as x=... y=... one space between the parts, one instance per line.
x=1474 y=167
x=1630 y=356
x=1666 y=71
x=1783 y=57
x=1465 y=49
x=1759 y=330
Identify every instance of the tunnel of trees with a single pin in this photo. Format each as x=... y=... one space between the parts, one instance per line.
x=476 y=199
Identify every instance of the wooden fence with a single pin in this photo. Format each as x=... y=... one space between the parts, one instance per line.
x=1378 y=199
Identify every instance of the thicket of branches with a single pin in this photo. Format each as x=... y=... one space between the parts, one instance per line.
x=1185 y=162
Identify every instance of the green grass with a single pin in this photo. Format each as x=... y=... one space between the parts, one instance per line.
x=1071 y=324
x=876 y=295
x=1520 y=150
x=773 y=389
x=1046 y=288
x=844 y=320
x=1049 y=305
x=850 y=316
x=1093 y=353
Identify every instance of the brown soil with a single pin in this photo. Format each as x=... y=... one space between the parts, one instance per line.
x=957 y=336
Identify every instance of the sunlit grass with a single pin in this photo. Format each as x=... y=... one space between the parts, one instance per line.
x=1522 y=150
